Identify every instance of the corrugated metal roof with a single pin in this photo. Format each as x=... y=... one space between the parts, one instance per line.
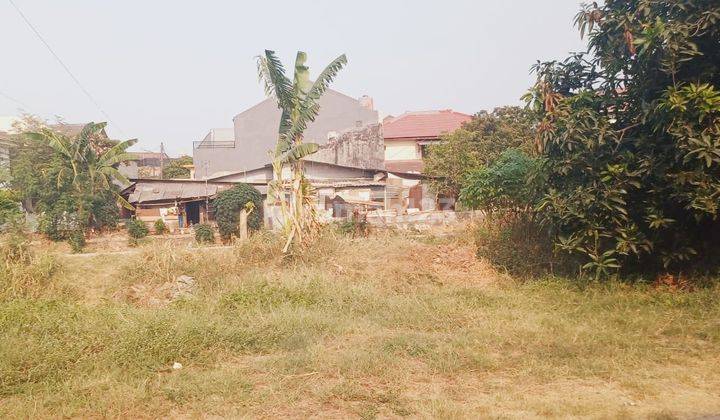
x=154 y=191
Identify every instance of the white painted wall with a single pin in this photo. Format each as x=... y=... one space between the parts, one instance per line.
x=402 y=150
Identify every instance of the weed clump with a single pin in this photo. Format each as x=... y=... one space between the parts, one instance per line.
x=160 y=227
x=204 y=233
x=137 y=229
x=354 y=228
x=518 y=246
x=22 y=273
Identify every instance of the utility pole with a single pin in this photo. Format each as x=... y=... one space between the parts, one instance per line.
x=162 y=159
x=207 y=199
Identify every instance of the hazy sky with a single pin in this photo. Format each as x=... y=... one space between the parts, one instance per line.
x=171 y=70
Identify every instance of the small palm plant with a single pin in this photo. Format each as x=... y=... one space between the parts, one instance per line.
x=299 y=101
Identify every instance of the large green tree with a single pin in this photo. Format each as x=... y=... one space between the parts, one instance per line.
x=299 y=101
x=71 y=180
x=630 y=136
x=476 y=145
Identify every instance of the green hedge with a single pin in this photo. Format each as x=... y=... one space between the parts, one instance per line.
x=228 y=205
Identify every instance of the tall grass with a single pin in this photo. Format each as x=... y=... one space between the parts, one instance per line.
x=389 y=325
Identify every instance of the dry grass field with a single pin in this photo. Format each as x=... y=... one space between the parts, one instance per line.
x=393 y=325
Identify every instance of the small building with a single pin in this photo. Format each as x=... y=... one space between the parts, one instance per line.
x=180 y=203
x=361 y=187
x=339 y=190
x=408 y=136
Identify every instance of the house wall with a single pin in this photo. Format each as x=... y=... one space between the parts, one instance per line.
x=256 y=132
x=263 y=174
x=402 y=150
x=320 y=171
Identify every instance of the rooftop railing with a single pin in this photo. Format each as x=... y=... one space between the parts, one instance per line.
x=229 y=144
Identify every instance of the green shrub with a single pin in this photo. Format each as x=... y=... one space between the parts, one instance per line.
x=160 y=227
x=9 y=207
x=476 y=145
x=15 y=243
x=76 y=239
x=505 y=185
x=354 y=228
x=59 y=220
x=228 y=205
x=204 y=233
x=105 y=212
x=137 y=229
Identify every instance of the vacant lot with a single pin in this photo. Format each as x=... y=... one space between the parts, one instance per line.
x=386 y=326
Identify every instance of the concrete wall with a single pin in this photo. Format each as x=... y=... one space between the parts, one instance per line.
x=420 y=220
x=358 y=147
x=263 y=174
x=320 y=171
x=256 y=132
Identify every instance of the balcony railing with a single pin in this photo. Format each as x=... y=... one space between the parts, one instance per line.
x=230 y=144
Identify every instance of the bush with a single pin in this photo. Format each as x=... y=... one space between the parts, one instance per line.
x=204 y=233
x=505 y=185
x=9 y=207
x=228 y=205
x=160 y=227
x=354 y=228
x=137 y=229
x=76 y=239
x=518 y=246
x=105 y=212
x=15 y=243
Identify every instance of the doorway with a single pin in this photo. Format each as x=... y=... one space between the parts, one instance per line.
x=192 y=211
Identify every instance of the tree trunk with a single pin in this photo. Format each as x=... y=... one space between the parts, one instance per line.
x=243 y=225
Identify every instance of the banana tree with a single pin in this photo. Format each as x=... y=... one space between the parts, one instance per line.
x=89 y=167
x=299 y=101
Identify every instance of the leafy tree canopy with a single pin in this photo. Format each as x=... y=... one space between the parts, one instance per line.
x=478 y=143
x=70 y=180
x=177 y=168
x=503 y=185
x=630 y=136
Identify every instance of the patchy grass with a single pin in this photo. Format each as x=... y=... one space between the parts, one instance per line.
x=384 y=326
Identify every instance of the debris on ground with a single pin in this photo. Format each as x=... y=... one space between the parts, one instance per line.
x=159 y=295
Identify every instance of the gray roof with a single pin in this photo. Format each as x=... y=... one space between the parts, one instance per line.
x=148 y=191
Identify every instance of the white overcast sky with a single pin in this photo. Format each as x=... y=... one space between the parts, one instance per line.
x=171 y=70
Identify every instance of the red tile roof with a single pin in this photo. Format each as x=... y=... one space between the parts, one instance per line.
x=424 y=124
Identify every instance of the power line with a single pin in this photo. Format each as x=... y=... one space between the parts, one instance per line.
x=11 y=99
x=67 y=69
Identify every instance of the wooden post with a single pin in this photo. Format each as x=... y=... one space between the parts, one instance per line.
x=243 y=225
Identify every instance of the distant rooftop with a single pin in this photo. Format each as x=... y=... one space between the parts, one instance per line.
x=423 y=124
x=149 y=155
